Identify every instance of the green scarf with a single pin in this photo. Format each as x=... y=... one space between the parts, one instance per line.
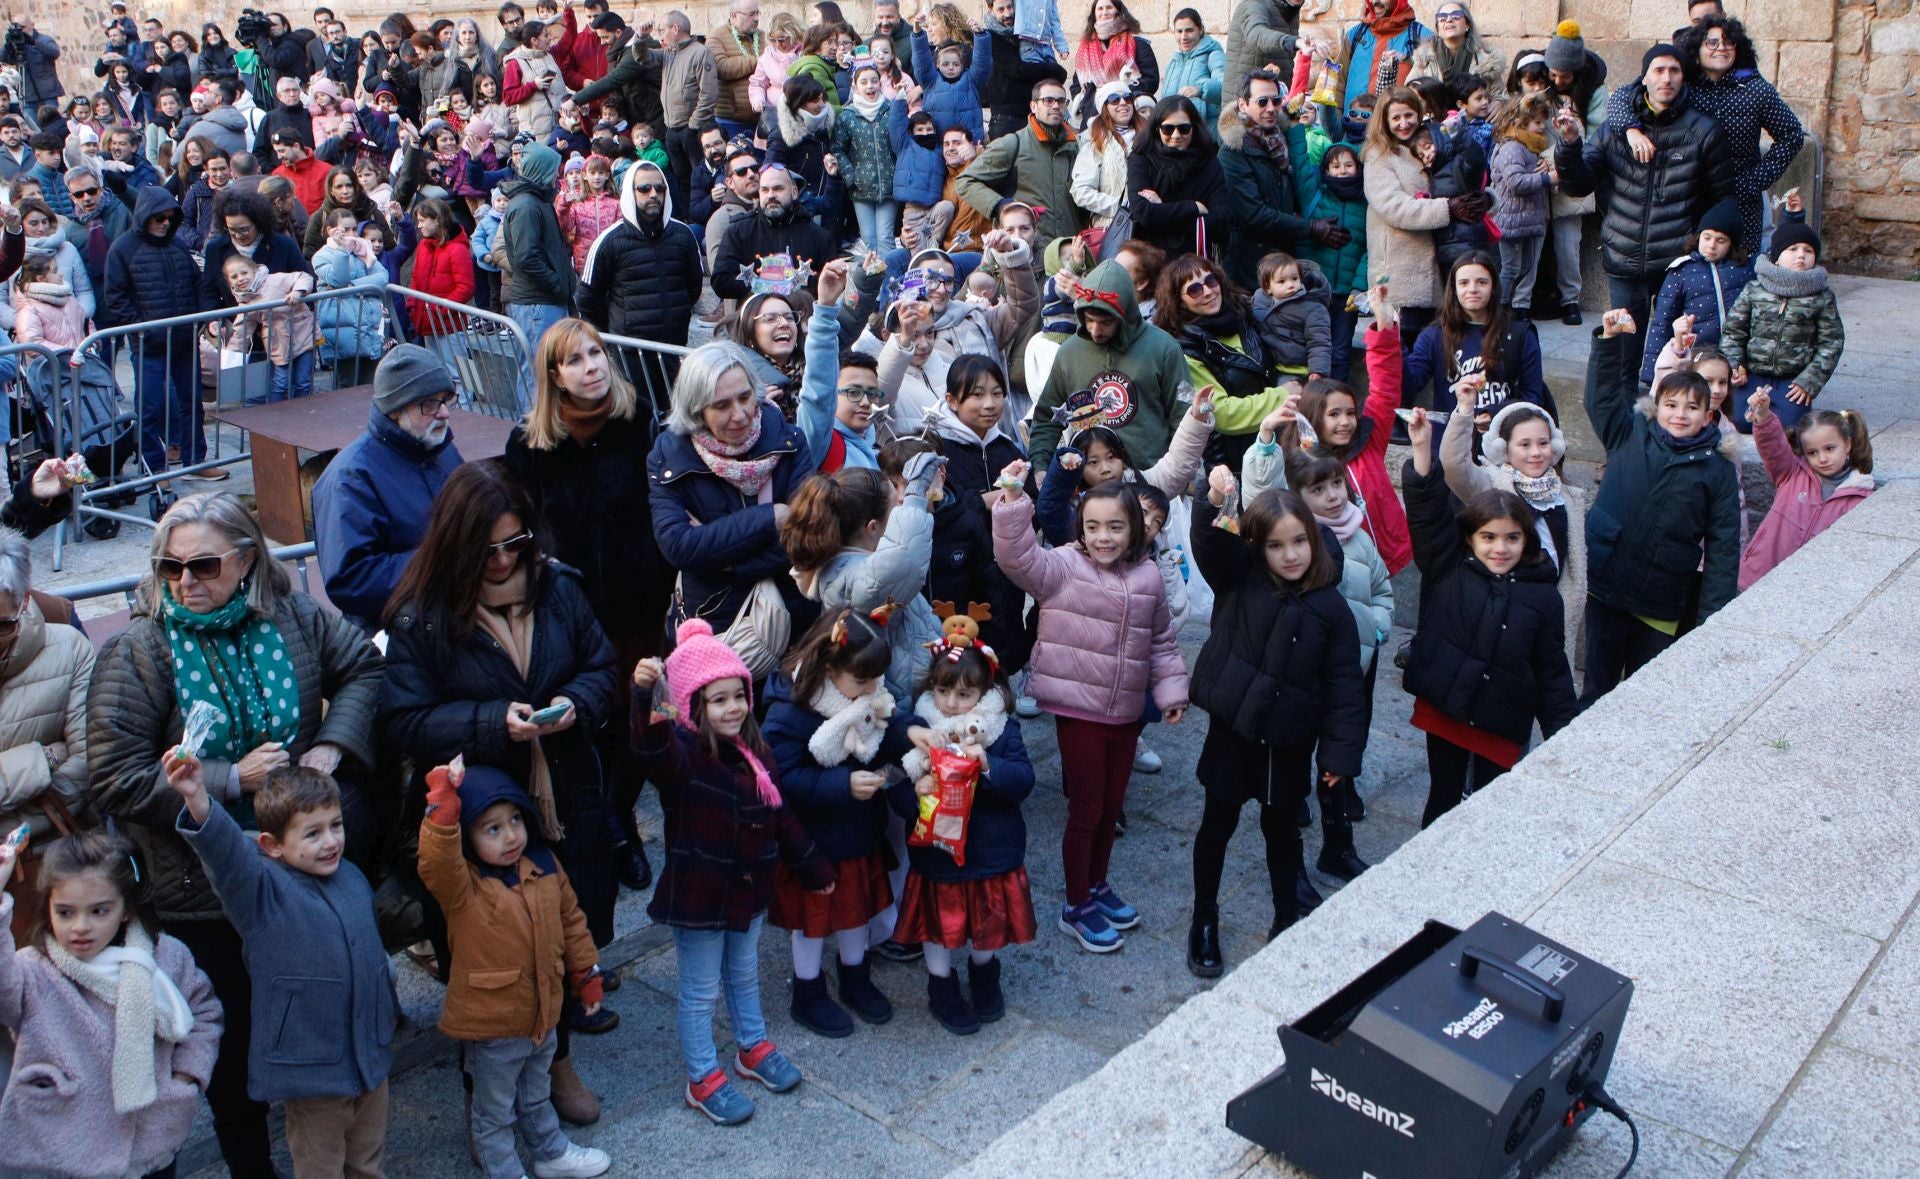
x=241 y=667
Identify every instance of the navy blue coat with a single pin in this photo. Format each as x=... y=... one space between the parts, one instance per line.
x=150 y=277
x=370 y=513
x=278 y=252
x=1459 y=169
x=721 y=541
x=323 y=1001
x=843 y=827
x=919 y=174
x=996 y=830
x=1689 y=290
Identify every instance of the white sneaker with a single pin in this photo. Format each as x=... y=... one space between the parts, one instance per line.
x=1145 y=760
x=579 y=1161
x=1026 y=706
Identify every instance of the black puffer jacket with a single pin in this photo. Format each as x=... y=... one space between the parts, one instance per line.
x=1650 y=209
x=1183 y=180
x=641 y=279
x=753 y=236
x=150 y=277
x=1010 y=87
x=1490 y=651
x=1279 y=669
x=1460 y=169
x=133 y=716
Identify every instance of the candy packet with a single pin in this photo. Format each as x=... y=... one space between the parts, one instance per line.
x=202 y=715
x=944 y=814
x=77 y=471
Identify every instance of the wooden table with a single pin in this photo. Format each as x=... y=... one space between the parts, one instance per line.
x=322 y=424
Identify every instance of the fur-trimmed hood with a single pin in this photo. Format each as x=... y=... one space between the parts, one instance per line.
x=793 y=127
x=1729 y=444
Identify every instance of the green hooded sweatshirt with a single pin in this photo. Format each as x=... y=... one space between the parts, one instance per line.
x=1136 y=375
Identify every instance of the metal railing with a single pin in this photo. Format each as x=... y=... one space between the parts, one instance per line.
x=33 y=394
x=650 y=368
x=296 y=554
x=487 y=351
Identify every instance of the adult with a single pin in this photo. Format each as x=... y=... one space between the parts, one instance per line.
x=471 y=50
x=151 y=276
x=777 y=227
x=1010 y=86
x=371 y=505
x=1265 y=208
x=769 y=326
x=1261 y=35
x=307 y=174
x=581 y=456
x=45 y=668
x=888 y=23
x=172 y=69
x=1648 y=208
x=1456 y=49
x=801 y=141
x=958 y=150
x=1401 y=218
x=738 y=196
x=1576 y=77
x=485 y=628
x=719 y=479
x=342 y=191
x=283 y=54
x=689 y=92
x=644 y=273
x=216 y=620
x=224 y=125
x=35 y=56
x=1197 y=66
x=1099 y=181
x=289 y=113
x=1212 y=320
x=1111 y=49
x=1134 y=369
x=636 y=78
x=736 y=48
x=216 y=60
x=512 y=18
x=1379 y=50
x=530 y=83
x=196 y=208
x=336 y=56
x=539 y=286
x=99 y=219
x=251 y=227
x=289 y=215
x=438 y=73
x=1179 y=196
x=1033 y=165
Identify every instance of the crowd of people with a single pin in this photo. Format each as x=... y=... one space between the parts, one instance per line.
x=1005 y=353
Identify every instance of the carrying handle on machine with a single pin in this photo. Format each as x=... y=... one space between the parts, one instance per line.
x=1553 y=1002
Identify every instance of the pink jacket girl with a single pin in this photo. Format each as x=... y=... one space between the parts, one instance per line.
x=46 y=313
x=1820 y=473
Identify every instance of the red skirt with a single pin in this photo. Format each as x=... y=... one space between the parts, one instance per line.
x=860 y=893
x=992 y=914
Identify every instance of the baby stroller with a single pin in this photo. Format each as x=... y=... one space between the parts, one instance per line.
x=104 y=435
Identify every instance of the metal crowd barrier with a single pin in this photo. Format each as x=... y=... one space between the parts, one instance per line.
x=31 y=378
x=297 y=554
x=650 y=368
x=487 y=351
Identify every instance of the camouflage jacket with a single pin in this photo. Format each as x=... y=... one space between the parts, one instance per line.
x=1786 y=323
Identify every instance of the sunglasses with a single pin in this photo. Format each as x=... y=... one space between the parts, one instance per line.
x=202 y=568
x=9 y=626
x=859 y=394
x=77 y=193
x=1201 y=286
x=512 y=546
x=643 y=189
x=1451 y=14
x=1266 y=100
x=1176 y=128
x=744 y=170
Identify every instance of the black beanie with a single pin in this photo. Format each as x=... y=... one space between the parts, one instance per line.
x=1722 y=218
x=1664 y=49
x=1794 y=233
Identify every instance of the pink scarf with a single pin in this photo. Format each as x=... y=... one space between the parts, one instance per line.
x=1348 y=522
x=749 y=475
x=1096 y=65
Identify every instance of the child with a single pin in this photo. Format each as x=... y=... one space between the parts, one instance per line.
x=1088 y=457
x=779 y=52
x=1291 y=310
x=1489 y=656
x=1522 y=193
x=986 y=902
x=726 y=825
x=837 y=418
x=509 y=911
x=374 y=181
x=1703 y=284
x=1331 y=190
x=289 y=328
x=912 y=371
x=1820 y=473
x=351 y=327
x=1106 y=640
x=1279 y=675
x=833 y=740
x=1783 y=334
x=587 y=207
x=45 y=311
x=863 y=149
x=919 y=178
x=1475 y=342
x=983 y=289
x=312 y=947
x=486 y=229
x=1455 y=167
x=116 y=1016
x=1473 y=105
x=1662 y=502
x=952 y=86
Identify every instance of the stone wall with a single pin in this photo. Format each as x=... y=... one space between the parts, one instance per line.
x=1851 y=71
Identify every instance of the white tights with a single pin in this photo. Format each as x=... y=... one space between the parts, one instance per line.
x=807 y=951
x=940 y=959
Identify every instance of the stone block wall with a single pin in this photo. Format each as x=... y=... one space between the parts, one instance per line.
x=1850 y=70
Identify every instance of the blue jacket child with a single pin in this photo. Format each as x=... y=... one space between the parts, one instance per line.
x=954 y=102
x=920 y=174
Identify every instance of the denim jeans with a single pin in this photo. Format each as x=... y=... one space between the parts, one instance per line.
x=534 y=320
x=166 y=383
x=512 y=1089
x=294 y=379
x=877 y=220
x=1566 y=257
x=713 y=961
x=733 y=128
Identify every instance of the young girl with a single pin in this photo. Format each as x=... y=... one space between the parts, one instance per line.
x=1279 y=674
x=1821 y=471
x=893 y=80
x=1523 y=181
x=1785 y=327
x=288 y=327
x=349 y=327
x=1490 y=655
x=114 y=1028
x=587 y=207
x=863 y=148
x=45 y=311
x=1704 y=284
x=1476 y=342
x=833 y=740
x=1106 y=640
x=1331 y=189
x=486 y=274
x=726 y=826
x=912 y=371
x=487 y=106
x=1097 y=454
x=986 y=903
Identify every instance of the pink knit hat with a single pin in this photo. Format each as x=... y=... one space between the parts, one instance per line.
x=699 y=659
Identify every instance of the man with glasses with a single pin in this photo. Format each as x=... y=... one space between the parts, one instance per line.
x=707 y=184
x=99 y=218
x=512 y=16
x=840 y=393
x=776 y=227
x=1262 y=33
x=736 y=48
x=370 y=508
x=1379 y=50
x=1265 y=210
x=738 y=196
x=1033 y=165
x=335 y=55
x=643 y=275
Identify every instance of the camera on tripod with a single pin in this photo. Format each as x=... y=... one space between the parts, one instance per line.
x=18 y=42
x=252 y=27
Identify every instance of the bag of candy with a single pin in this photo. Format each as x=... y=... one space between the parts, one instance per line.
x=944 y=813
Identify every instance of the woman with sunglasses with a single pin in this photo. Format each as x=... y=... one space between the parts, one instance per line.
x=1099 y=182
x=217 y=622
x=1456 y=48
x=1212 y=319
x=1179 y=200
x=486 y=630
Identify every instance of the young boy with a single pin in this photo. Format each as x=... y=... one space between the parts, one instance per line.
x=323 y=1000
x=1295 y=322
x=1667 y=496
x=1473 y=100
x=1783 y=334
x=838 y=419
x=510 y=915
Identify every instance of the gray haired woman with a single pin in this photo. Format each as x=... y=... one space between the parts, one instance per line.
x=217 y=620
x=45 y=668
x=720 y=478
x=1456 y=48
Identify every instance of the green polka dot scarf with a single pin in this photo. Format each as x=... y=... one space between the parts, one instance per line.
x=239 y=665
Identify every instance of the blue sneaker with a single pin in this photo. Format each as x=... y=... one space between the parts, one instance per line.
x=763 y=1063
x=716 y=1097
x=1090 y=929
x=1118 y=913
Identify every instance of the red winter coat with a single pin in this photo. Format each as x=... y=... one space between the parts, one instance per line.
x=444 y=269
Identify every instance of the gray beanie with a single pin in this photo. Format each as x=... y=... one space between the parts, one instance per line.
x=1567 y=52
x=407 y=374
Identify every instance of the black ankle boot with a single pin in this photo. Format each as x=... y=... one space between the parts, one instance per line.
x=949 y=1006
x=636 y=873
x=983 y=980
x=1337 y=857
x=814 y=1010
x=1302 y=815
x=1306 y=898
x=1203 y=944
x=858 y=992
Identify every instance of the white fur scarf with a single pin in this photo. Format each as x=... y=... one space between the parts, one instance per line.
x=145 y=1004
x=852 y=726
x=983 y=726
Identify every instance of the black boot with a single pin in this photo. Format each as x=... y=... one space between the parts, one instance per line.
x=949 y=1006
x=1306 y=898
x=1282 y=921
x=983 y=979
x=1203 y=944
x=1337 y=857
x=636 y=872
x=858 y=992
x=813 y=1010
x=1350 y=802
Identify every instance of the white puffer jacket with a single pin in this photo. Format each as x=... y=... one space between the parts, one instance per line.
x=43 y=706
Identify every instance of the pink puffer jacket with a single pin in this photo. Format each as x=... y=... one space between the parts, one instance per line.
x=1799 y=513
x=1106 y=635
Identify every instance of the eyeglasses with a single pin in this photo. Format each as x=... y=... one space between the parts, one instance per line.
x=859 y=394
x=512 y=546
x=776 y=317
x=202 y=568
x=936 y=279
x=643 y=189
x=1715 y=43
x=744 y=170
x=432 y=406
x=1176 y=128
x=1201 y=286
x=10 y=625
x=1049 y=100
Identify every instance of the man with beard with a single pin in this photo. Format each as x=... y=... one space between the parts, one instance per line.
x=289 y=114
x=151 y=276
x=539 y=284
x=1014 y=76
x=1037 y=161
x=738 y=197
x=335 y=55
x=1265 y=210
x=958 y=149
x=642 y=274
x=777 y=227
x=704 y=189
x=371 y=507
